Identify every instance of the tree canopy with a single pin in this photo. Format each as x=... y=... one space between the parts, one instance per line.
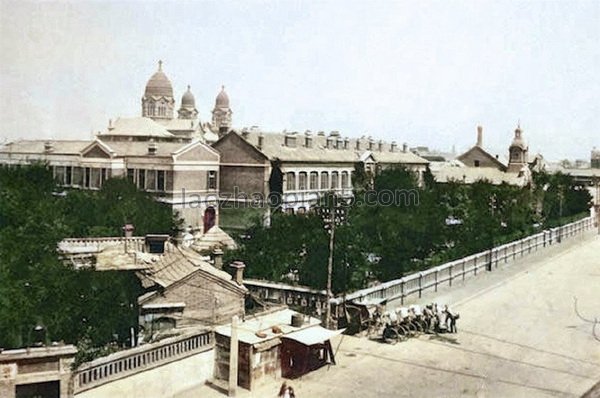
x=36 y=288
x=426 y=224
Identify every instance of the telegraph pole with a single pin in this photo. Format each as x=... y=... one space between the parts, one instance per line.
x=329 y=274
x=332 y=214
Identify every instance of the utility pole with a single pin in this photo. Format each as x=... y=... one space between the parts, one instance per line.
x=332 y=214
x=329 y=274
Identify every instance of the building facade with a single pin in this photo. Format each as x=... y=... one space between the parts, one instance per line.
x=298 y=169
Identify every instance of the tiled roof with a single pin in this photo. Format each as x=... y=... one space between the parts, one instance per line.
x=454 y=171
x=137 y=126
x=180 y=125
x=273 y=146
x=140 y=148
x=62 y=147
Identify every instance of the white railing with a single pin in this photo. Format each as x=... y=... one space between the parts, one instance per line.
x=125 y=363
x=465 y=267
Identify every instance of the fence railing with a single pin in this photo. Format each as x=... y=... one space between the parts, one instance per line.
x=419 y=282
x=470 y=266
x=125 y=363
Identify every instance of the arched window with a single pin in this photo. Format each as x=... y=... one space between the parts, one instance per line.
x=335 y=183
x=291 y=181
x=324 y=180
x=345 y=180
x=302 y=181
x=314 y=177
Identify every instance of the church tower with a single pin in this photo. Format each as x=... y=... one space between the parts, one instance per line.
x=221 y=119
x=517 y=152
x=158 y=102
x=188 y=106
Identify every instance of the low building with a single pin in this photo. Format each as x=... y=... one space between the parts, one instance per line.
x=283 y=343
x=37 y=372
x=182 y=288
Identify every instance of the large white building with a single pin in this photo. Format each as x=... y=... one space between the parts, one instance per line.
x=166 y=155
x=192 y=165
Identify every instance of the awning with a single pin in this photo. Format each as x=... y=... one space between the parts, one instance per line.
x=313 y=335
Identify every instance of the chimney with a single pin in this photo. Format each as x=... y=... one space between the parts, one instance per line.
x=393 y=146
x=261 y=138
x=245 y=133
x=48 y=146
x=358 y=144
x=218 y=258
x=479 y=136
x=346 y=143
x=110 y=125
x=307 y=139
x=152 y=148
x=405 y=147
x=380 y=145
x=239 y=271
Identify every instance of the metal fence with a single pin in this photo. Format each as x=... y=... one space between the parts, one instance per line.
x=467 y=267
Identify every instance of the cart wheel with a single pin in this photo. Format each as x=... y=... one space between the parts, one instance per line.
x=403 y=334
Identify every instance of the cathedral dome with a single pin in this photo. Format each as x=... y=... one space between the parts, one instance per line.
x=188 y=100
x=222 y=99
x=159 y=84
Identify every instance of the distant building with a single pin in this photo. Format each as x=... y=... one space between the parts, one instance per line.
x=301 y=168
x=477 y=164
x=166 y=156
x=477 y=156
x=595 y=159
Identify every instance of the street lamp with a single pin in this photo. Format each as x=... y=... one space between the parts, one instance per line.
x=332 y=214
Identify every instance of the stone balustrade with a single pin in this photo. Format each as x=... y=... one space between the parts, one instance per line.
x=126 y=363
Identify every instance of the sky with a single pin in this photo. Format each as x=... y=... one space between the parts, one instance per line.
x=423 y=72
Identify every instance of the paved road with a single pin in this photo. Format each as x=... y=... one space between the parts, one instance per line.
x=518 y=337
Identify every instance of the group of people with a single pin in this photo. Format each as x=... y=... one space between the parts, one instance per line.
x=440 y=320
x=409 y=321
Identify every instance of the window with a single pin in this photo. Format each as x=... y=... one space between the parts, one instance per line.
x=87 y=177
x=212 y=179
x=160 y=180
x=476 y=162
x=77 y=176
x=334 y=180
x=314 y=179
x=94 y=177
x=69 y=176
x=59 y=174
x=291 y=182
x=131 y=175
x=324 y=180
x=345 y=180
x=141 y=180
x=151 y=180
x=302 y=181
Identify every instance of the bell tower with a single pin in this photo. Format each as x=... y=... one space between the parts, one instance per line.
x=222 y=113
x=517 y=152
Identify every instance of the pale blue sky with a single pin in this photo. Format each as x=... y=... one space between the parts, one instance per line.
x=420 y=72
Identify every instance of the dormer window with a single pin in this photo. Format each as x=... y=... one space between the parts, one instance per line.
x=290 y=141
x=308 y=142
